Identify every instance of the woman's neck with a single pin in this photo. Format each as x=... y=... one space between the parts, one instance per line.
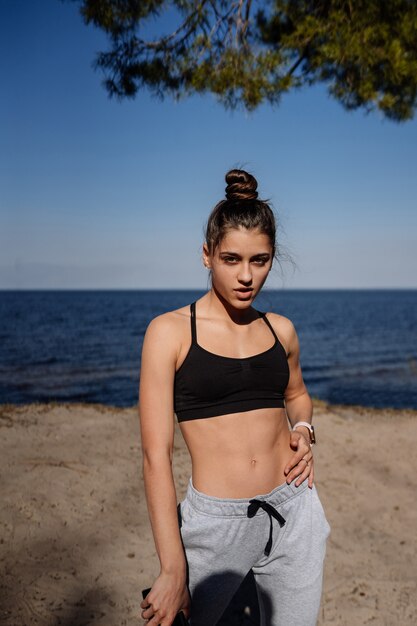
x=217 y=307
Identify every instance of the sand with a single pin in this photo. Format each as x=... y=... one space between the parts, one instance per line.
x=76 y=546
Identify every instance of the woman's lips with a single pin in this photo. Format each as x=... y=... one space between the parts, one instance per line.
x=244 y=292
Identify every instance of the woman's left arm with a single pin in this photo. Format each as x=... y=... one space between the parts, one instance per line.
x=299 y=408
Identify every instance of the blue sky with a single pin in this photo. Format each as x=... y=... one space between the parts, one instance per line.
x=96 y=193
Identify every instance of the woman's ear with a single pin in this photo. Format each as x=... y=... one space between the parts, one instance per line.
x=206 y=256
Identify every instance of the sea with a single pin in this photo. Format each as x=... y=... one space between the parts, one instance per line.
x=356 y=346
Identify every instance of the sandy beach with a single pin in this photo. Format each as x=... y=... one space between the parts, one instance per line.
x=75 y=541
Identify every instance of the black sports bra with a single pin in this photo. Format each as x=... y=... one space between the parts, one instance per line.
x=209 y=384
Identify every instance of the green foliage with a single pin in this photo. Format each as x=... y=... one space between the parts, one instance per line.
x=249 y=52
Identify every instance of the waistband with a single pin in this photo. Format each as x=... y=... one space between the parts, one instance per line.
x=211 y=505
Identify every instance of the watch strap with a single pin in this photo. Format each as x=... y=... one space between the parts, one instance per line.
x=310 y=428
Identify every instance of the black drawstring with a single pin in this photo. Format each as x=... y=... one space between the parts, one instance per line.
x=253 y=507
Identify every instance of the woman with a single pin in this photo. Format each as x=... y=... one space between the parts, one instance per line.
x=232 y=376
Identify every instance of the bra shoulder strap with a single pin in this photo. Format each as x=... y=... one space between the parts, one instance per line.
x=193 y=323
x=268 y=323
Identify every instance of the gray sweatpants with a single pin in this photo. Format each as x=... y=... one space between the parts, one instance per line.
x=280 y=535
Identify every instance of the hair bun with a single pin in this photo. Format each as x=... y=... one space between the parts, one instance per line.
x=241 y=185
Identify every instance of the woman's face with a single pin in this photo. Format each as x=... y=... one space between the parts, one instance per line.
x=240 y=265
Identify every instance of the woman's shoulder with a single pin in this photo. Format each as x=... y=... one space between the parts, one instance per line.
x=282 y=326
x=170 y=324
x=281 y=320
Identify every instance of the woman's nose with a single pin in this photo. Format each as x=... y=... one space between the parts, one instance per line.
x=245 y=273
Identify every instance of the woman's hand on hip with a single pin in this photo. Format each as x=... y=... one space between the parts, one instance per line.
x=168 y=596
x=301 y=464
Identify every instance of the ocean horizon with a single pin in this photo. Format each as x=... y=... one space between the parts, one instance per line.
x=357 y=346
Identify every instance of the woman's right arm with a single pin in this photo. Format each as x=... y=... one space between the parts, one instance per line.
x=169 y=592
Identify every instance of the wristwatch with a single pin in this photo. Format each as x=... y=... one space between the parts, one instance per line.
x=310 y=430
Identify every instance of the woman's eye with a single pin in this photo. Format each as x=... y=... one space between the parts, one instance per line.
x=260 y=261
x=229 y=259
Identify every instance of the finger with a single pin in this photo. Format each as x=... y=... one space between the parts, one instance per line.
x=298 y=441
x=305 y=473
x=147 y=613
x=311 y=477
x=161 y=620
x=155 y=620
x=150 y=613
x=297 y=470
x=294 y=461
x=302 y=477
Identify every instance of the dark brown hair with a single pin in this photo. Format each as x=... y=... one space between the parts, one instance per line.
x=241 y=208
